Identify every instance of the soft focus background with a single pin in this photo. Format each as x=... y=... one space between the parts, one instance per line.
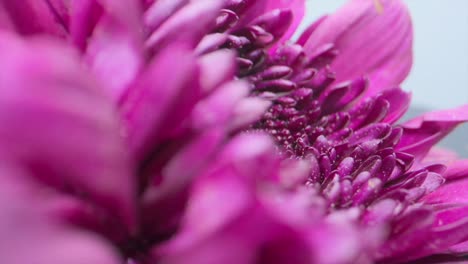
x=439 y=78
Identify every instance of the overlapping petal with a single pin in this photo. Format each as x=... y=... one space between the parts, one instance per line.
x=372 y=37
x=423 y=132
x=153 y=106
x=260 y=224
x=36 y=17
x=297 y=8
x=179 y=26
x=60 y=125
x=114 y=49
x=28 y=236
x=203 y=193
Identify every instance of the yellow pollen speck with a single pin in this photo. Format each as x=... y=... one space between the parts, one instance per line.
x=372 y=183
x=378 y=6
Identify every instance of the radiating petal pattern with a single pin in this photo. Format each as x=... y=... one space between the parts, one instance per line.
x=28 y=236
x=373 y=38
x=196 y=131
x=61 y=124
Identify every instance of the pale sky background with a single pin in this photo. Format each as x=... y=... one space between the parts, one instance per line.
x=439 y=78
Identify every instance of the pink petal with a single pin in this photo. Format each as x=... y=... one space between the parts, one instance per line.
x=228 y=248
x=440 y=155
x=457 y=169
x=276 y=23
x=28 y=236
x=450 y=193
x=444 y=117
x=223 y=180
x=160 y=11
x=218 y=108
x=108 y=49
x=459 y=248
x=450 y=228
x=5 y=20
x=297 y=7
x=409 y=233
x=312 y=27
x=47 y=16
x=128 y=12
x=210 y=43
x=205 y=236
x=154 y=105
x=84 y=15
x=212 y=77
x=116 y=40
x=189 y=24
x=254 y=9
x=55 y=120
x=258 y=224
x=61 y=11
x=208 y=214
x=248 y=111
x=164 y=202
x=253 y=152
x=336 y=243
x=399 y=101
x=372 y=39
x=422 y=133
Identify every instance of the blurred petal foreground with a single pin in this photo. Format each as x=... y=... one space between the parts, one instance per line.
x=198 y=132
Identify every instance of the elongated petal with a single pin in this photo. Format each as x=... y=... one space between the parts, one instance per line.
x=116 y=40
x=218 y=108
x=248 y=111
x=457 y=168
x=338 y=239
x=257 y=7
x=189 y=24
x=27 y=235
x=450 y=193
x=163 y=203
x=258 y=225
x=212 y=77
x=410 y=233
x=148 y=103
x=35 y=17
x=441 y=156
x=444 y=117
x=160 y=11
x=372 y=37
x=423 y=132
x=449 y=228
x=5 y=20
x=57 y=121
x=253 y=8
x=297 y=8
x=399 y=102
x=109 y=48
x=312 y=27
x=84 y=15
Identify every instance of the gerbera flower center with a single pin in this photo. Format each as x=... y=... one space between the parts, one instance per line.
x=350 y=145
x=302 y=106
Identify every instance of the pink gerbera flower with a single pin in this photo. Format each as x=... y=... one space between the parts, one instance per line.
x=123 y=117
